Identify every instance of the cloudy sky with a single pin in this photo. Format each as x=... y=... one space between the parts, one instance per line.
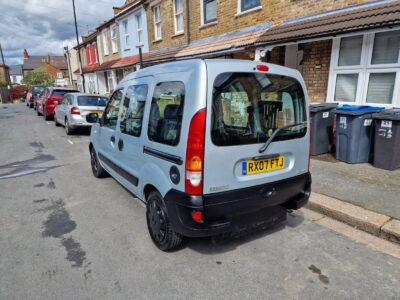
x=46 y=26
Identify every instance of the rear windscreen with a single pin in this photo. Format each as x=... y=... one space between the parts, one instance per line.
x=92 y=101
x=37 y=89
x=249 y=107
x=62 y=92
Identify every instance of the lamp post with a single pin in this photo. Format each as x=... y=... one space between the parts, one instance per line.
x=140 y=46
x=79 y=49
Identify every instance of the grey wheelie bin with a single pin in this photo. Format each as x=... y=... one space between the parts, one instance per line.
x=387 y=139
x=354 y=133
x=322 y=118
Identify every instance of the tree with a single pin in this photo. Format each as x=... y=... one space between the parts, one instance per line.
x=38 y=78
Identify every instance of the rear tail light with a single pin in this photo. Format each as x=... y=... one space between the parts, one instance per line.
x=197 y=216
x=52 y=100
x=75 y=111
x=195 y=154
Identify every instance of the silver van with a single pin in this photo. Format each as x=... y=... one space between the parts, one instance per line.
x=213 y=147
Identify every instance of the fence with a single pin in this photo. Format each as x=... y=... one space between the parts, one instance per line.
x=4 y=94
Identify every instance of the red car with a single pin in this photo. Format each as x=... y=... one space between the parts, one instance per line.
x=34 y=91
x=49 y=99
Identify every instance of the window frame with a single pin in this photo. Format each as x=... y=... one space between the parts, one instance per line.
x=106 y=50
x=176 y=14
x=139 y=30
x=114 y=44
x=203 y=12
x=119 y=108
x=363 y=70
x=241 y=10
x=157 y=23
x=125 y=25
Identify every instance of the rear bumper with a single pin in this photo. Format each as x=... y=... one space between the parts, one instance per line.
x=223 y=211
x=77 y=121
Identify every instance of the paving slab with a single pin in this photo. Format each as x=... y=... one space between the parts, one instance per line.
x=360 y=184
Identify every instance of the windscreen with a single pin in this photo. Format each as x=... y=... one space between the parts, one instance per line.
x=249 y=107
x=37 y=90
x=62 y=92
x=92 y=101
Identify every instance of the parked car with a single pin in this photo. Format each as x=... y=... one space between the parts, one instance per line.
x=72 y=110
x=48 y=100
x=34 y=90
x=211 y=146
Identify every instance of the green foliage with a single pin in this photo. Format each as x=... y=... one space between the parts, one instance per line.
x=38 y=78
x=3 y=83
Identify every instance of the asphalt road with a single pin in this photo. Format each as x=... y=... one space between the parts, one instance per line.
x=66 y=235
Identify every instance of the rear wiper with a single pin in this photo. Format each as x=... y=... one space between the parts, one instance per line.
x=275 y=133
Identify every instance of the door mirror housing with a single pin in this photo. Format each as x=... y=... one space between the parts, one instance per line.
x=92 y=118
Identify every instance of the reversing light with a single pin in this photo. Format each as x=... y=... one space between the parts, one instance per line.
x=262 y=68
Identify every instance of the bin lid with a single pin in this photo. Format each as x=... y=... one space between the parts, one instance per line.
x=388 y=114
x=316 y=107
x=356 y=110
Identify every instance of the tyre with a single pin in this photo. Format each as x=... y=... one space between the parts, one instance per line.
x=55 y=121
x=97 y=169
x=68 y=129
x=37 y=112
x=158 y=224
x=45 y=116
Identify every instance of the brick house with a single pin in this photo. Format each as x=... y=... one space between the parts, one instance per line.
x=55 y=66
x=347 y=51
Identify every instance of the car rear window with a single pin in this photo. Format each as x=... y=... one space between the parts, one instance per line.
x=37 y=89
x=92 y=101
x=62 y=92
x=248 y=107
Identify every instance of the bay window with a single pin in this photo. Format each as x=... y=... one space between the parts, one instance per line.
x=365 y=69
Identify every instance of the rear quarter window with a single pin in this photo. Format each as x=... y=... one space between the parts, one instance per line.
x=166 y=110
x=248 y=107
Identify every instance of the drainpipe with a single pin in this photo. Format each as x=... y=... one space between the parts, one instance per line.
x=187 y=22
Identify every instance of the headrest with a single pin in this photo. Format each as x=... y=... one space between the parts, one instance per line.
x=171 y=111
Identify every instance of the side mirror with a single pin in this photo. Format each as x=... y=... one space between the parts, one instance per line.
x=92 y=118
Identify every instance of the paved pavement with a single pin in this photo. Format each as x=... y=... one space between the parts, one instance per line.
x=66 y=235
x=360 y=184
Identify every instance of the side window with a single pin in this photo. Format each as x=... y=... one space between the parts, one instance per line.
x=112 y=109
x=133 y=109
x=70 y=99
x=64 y=100
x=166 y=112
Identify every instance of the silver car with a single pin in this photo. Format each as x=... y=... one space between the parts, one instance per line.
x=212 y=147
x=73 y=108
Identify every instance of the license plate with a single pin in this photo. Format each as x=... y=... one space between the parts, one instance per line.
x=98 y=112
x=251 y=167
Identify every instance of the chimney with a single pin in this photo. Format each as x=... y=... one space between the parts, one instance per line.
x=26 y=55
x=117 y=10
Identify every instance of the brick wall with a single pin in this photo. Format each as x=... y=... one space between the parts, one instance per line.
x=315 y=68
x=229 y=20
x=110 y=55
x=168 y=36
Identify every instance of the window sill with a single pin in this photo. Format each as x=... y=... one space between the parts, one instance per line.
x=213 y=23
x=254 y=9
x=115 y=52
x=127 y=49
x=178 y=34
x=156 y=41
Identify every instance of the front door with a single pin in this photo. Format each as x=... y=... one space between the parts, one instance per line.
x=130 y=142
x=107 y=136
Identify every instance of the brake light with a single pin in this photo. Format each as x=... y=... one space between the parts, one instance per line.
x=195 y=154
x=197 y=216
x=75 y=111
x=262 y=68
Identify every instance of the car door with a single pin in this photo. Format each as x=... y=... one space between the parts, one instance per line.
x=107 y=132
x=129 y=146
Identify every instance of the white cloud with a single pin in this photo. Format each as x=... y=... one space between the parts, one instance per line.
x=46 y=26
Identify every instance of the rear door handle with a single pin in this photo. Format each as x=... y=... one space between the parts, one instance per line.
x=120 y=145
x=112 y=139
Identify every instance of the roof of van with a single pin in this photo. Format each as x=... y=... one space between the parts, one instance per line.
x=190 y=64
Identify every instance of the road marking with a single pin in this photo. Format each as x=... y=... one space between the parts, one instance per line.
x=69 y=141
x=48 y=123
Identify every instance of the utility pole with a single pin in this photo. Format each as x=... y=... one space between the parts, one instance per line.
x=2 y=56
x=66 y=53
x=79 y=50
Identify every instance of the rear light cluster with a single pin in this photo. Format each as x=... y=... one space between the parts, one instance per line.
x=195 y=154
x=53 y=100
x=75 y=111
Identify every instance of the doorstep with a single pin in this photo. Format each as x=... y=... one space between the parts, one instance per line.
x=375 y=223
